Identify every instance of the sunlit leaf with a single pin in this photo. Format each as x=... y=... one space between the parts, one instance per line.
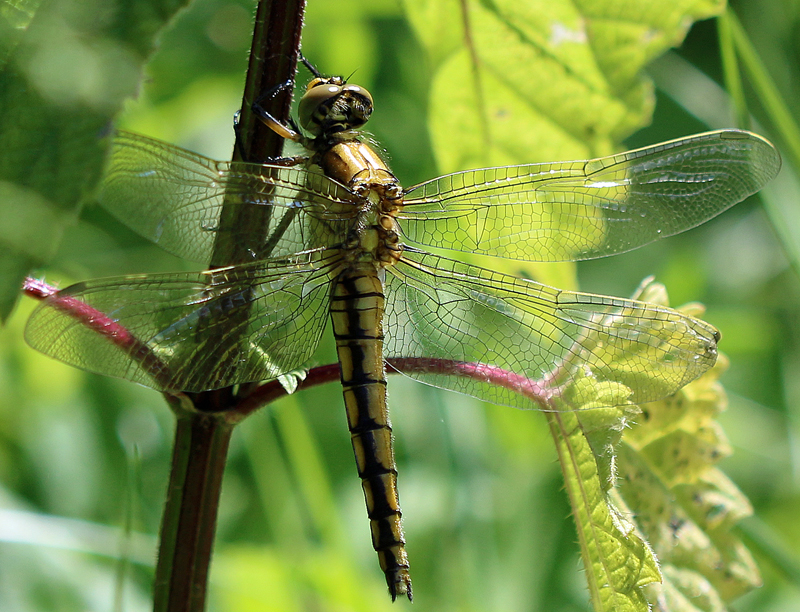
x=671 y=496
x=543 y=81
x=684 y=505
x=617 y=561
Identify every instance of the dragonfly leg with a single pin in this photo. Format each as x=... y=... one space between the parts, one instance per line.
x=295 y=160
x=311 y=68
x=289 y=132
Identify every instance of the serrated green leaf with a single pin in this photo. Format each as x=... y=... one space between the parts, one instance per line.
x=523 y=82
x=540 y=81
x=714 y=500
x=65 y=70
x=683 y=591
x=617 y=561
x=670 y=488
x=602 y=420
x=684 y=505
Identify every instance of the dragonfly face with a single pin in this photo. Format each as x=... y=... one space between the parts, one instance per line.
x=344 y=240
x=331 y=106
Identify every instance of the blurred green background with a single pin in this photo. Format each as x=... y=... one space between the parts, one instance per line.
x=84 y=459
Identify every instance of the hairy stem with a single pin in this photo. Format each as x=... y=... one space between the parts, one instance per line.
x=190 y=512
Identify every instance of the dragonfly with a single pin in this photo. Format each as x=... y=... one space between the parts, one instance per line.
x=344 y=241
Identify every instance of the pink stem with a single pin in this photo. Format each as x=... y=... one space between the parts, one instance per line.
x=537 y=392
x=103 y=325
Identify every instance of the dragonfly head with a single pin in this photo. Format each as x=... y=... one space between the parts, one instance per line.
x=330 y=105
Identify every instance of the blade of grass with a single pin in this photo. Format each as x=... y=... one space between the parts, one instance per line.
x=765 y=88
x=310 y=473
x=730 y=71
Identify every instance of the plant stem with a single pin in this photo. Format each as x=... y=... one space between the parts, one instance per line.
x=204 y=425
x=190 y=512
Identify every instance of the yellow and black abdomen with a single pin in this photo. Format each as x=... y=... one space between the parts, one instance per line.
x=357 y=305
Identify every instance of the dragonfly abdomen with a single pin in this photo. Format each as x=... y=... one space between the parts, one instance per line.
x=357 y=305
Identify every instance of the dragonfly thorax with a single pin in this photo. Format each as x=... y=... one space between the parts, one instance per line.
x=378 y=197
x=375 y=236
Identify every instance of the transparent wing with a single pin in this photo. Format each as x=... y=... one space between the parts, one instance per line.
x=189 y=331
x=533 y=338
x=175 y=198
x=585 y=209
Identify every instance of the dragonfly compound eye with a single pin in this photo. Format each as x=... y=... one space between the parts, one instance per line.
x=360 y=92
x=316 y=101
x=358 y=105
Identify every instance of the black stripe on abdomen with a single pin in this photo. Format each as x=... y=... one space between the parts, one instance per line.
x=357 y=306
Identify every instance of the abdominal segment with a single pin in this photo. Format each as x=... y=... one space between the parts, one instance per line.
x=357 y=307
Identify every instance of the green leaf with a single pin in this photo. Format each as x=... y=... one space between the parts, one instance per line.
x=542 y=81
x=65 y=70
x=684 y=505
x=618 y=562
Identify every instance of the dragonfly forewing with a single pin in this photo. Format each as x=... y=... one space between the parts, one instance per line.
x=542 y=338
x=175 y=198
x=567 y=211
